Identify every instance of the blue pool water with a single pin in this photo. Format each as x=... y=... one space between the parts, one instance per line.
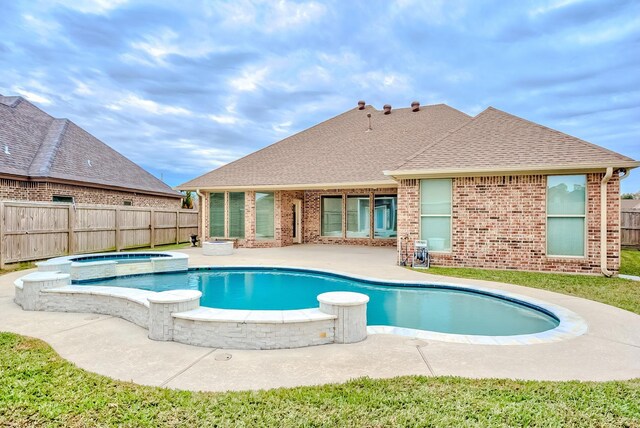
x=119 y=258
x=425 y=308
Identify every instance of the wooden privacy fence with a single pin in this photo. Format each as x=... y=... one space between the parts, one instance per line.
x=630 y=228
x=34 y=231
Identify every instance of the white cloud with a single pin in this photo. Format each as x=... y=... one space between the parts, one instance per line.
x=606 y=34
x=250 y=79
x=98 y=7
x=283 y=127
x=551 y=6
x=82 y=88
x=266 y=16
x=286 y=14
x=132 y=101
x=31 y=96
x=224 y=119
x=382 y=81
x=41 y=26
x=166 y=42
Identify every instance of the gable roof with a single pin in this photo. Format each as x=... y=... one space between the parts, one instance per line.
x=338 y=152
x=42 y=147
x=498 y=141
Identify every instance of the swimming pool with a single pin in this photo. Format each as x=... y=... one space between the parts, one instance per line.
x=444 y=309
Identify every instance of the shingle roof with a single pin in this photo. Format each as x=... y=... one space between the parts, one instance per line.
x=495 y=139
x=630 y=204
x=339 y=150
x=40 y=146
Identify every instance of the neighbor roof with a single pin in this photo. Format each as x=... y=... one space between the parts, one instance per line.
x=340 y=150
x=630 y=204
x=42 y=147
x=498 y=141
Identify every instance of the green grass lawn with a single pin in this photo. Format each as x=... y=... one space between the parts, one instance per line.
x=630 y=262
x=14 y=267
x=618 y=292
x=38 y=388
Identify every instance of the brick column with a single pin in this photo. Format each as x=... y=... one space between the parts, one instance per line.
x=408 y=217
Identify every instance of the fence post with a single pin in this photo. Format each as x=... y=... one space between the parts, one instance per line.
x=2 y=227
x=71 y=218
x=118 y=234
x=152 y=227
x=177 y=226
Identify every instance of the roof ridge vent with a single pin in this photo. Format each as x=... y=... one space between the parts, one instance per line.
x=415 y=106
x=387 y=109
x=361 y=105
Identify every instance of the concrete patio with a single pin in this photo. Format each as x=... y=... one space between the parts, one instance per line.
x=119 y=349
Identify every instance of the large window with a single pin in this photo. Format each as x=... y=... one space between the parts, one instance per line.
x=264 y=215
x=566 y=204
x=216 y=215
x=331 y=216
x=236 y=214
x=385 y=221
x=435 y=213
x=358 y=218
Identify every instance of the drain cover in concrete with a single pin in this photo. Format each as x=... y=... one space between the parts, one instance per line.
x=416 y=342
x=223 y=357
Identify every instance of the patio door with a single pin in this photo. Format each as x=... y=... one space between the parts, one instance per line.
x=297 y=221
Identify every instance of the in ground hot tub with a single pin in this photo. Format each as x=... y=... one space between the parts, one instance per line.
x=111 y=265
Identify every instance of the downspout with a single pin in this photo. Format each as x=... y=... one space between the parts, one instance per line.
x=202 y=207
x=603 y=223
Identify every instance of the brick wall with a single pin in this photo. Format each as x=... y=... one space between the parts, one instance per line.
x=312 y=217
x=15 y=190
x=500 y=222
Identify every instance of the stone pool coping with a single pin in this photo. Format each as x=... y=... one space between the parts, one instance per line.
x=570 y=324
x=100 y=268
x=176 y=315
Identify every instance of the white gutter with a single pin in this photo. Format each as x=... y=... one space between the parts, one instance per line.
x=603 y=222
x=514 y=170
x=202 y=207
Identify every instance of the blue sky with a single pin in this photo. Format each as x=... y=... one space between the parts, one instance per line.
x=185 y=87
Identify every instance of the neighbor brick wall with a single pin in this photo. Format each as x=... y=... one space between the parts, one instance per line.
x=16 y=190
x=500 y=222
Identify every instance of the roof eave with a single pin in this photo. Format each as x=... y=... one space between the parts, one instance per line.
x=20 y=177
x=308 y=186
x=509 y=170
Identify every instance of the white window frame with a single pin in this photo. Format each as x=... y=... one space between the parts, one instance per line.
x=386 y=216
x=255 y=220
x=343 y=204
x=583 y=216
x=450 y=215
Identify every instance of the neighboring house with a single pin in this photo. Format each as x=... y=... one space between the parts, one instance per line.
x=54 y=160
x=630 y=205
x=491 y=191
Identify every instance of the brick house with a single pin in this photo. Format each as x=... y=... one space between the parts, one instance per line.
x=492 y=191
x=54 y=160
